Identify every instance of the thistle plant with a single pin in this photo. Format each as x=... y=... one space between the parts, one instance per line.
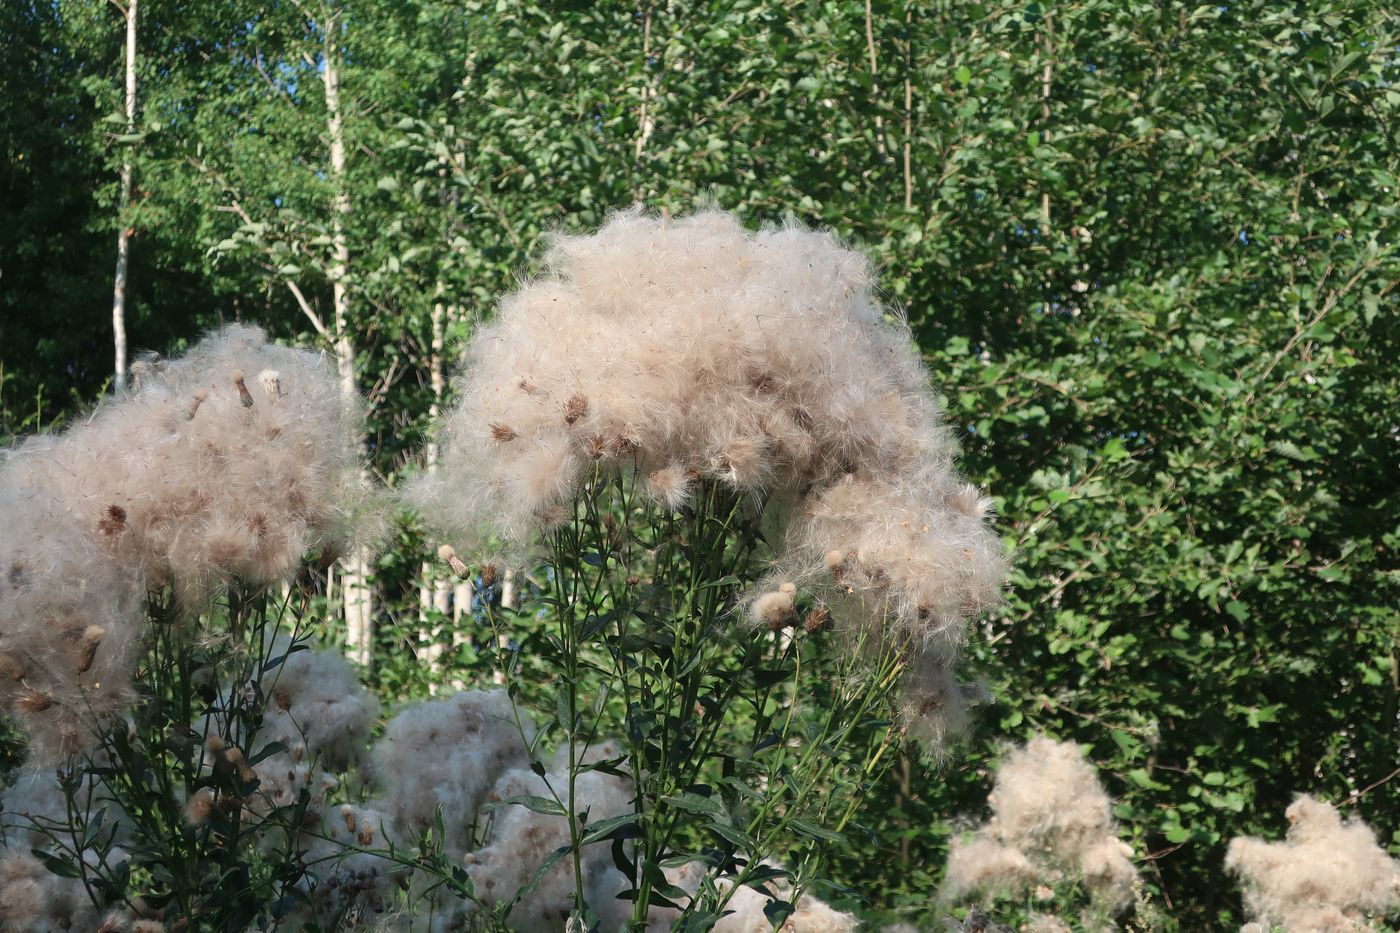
x=1051 y=841
x=720 y=460
x=714 y=463
x=179 y=750
x=1328 y=873
x=189 y=484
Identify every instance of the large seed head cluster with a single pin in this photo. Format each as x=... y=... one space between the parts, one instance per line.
x=228 y=465
x=691 y=350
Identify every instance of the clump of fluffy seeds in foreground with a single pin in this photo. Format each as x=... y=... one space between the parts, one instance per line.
x=1051 y=822
x=521 y=840
x=193 y=480
x=745 y=911
x=447 y=753
x=691 y=351
x=317 y=704
x=32 y=898
x=1328 y=875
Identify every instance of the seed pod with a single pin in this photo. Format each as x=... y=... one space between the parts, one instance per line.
x=449 y=554
x=199 y=396
x=244 y=395
x=32 y=701
x=87 y=651
x=113 y=520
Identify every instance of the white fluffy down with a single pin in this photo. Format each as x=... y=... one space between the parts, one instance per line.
x=1328 y=875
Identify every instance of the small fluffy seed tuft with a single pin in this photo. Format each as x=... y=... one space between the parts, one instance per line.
x=271 y=382
x=200 y=806
x=774 y=609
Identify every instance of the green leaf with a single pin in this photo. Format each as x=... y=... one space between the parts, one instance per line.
x=736 y=836
x=542 y=805
x=816 y=832
x=695 y=803
x=626 y=826
x=550 y=861
x=63 y=866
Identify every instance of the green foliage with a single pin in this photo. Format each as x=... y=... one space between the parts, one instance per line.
x=1183 y=416
x=1148 y=250
x=743 y=745
x=128 y=836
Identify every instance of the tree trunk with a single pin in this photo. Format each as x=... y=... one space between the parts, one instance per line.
x=1046 y=84
x=434 y=592
x=123 y=231
x=510 y=599
x=645 y=124
x=874 y=80
x=908 y=109
x=358 y=598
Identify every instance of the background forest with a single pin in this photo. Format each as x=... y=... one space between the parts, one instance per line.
x=1148 y=250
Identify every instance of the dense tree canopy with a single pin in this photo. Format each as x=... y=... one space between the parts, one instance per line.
x=1149 y=252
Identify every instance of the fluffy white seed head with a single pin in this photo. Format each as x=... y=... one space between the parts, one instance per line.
x=1051 y=822
x=447 y=752
x=1327 y=874
x=521 y=840
x=670 y=485
x=32 y=898
x=691 y=349
x=890 y=555
x=745 y=911
x=186 y=481
x=933 y=706
x=317 y=701
x=773 y=609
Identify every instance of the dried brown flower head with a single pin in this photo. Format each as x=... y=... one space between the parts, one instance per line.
x=113 y=520
x=575 y=408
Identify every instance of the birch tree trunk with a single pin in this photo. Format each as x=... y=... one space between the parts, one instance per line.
x=1046 y=84
x=434 y=592
x=510 y=599
x=874 y=79
x=357 y=596
x=462 y=618
x=123 y=231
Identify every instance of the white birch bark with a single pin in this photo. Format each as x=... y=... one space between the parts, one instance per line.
x=123 y=231
x=358 y=597
x=1046 y=85
x=434 y=592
